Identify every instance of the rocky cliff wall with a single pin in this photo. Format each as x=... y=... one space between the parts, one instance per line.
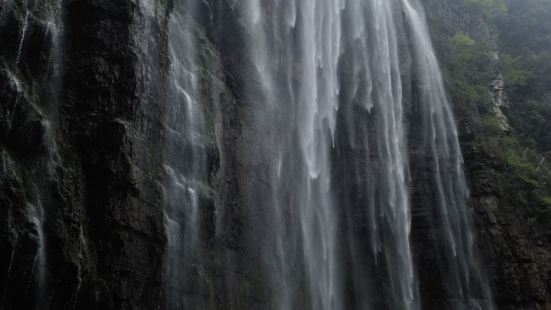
x=82 y=87
x=513 y=230
x=82 y=223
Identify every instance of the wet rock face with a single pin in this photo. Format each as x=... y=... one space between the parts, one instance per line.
x=23 y=147
x=81 y=163
x=81 y=223
x=79 y=195
x=514 y=242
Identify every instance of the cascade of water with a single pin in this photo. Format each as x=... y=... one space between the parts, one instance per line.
x=54 y=23
x=23 y=32
x=326 y=80
x=464 y=279
x=40 y=260
x=18 y=87
x=387 y=203
x=295 y=48
x=186 y=186
x=43 y=16
x=39 y=267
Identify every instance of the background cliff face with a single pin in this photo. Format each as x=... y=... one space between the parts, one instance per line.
x=81 y=218
x=83 y=89
x=496 y=58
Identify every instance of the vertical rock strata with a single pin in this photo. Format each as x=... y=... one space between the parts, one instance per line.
x=84 y=92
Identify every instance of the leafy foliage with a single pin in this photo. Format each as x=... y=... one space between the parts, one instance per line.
x=523 y=56
x=490 y=8
x=472 y=68
x=462 y=40
x=525 y=42
x=523 y=164
x=514 y=73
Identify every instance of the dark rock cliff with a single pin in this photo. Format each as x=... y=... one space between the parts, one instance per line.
x=82 y=93
x=513 y=233
x=83 y=151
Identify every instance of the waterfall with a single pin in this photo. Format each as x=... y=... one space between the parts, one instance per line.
x=327 y=98
x=297 y=137
x=40 y=258
x=295 y=46
x=38 y=18
x=23 y=32
x=465 y=281
x=186 y=190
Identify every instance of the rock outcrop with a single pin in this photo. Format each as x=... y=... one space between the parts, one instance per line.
x=514 y=237
x=82 y=104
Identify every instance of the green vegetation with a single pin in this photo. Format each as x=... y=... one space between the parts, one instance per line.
x=491 y=124
x=470 y=68
x=514 y=72
x=522 y=164
x=546 y=200
x=511 y=38
x=490 y=8
x=462 y=41
x=524 y=41
x=523 y=33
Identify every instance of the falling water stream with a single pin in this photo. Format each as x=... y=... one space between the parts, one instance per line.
x=328 y=76
x=326 y=94
x=39 y=16
x=186 y=186
x=40 y=262
x=464 y=278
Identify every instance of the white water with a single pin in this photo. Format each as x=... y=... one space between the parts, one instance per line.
x=301 y=151
x=297 y=62
x=465 y=280
x=327 y=149
x=185 y=163
x=23 y=33
x=40 y=263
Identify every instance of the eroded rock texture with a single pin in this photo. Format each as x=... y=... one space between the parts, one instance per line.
x=83 y=87
x=513 y=235
x=80 y=114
